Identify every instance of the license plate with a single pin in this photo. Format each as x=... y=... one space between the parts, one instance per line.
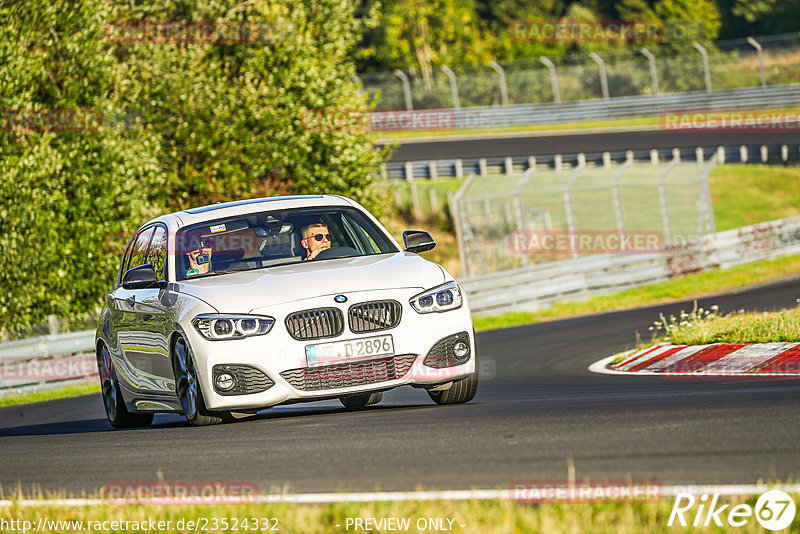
x=366 y=347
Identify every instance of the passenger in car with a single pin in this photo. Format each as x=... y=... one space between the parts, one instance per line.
x=315 y=239
x=199 y=256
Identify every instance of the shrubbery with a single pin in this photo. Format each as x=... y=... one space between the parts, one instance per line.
x=202 y=123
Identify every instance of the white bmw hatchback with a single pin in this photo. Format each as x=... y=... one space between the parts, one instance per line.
x=236 y=307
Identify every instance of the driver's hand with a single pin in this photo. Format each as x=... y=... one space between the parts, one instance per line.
x=316 y=252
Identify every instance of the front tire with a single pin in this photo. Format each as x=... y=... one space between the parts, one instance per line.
x=461 y=391
x=116 y=411
x=361 y=400
x=187 y=387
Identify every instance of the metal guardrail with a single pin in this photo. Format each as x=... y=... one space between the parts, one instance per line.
x=459 y=168
x=44 y=362
x=539 y=286
x=620 y=107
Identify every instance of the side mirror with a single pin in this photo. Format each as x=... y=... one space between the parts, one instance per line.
x=418 y=241
x=140 y=277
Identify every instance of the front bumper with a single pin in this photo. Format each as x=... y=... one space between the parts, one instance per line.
x=283 y=359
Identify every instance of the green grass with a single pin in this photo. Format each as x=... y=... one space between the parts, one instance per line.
x=488 y=516
x=57 y=393
x=701 y=327
x=749 y=194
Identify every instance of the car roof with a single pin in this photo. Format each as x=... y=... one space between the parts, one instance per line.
x=242 y=207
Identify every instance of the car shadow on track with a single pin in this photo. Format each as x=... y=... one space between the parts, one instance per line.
x=63 y=427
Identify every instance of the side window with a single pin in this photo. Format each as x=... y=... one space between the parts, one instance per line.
x=127 y=257
x=157 y=254
x=139 y=250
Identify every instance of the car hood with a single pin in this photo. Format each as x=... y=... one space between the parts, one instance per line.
x=248 y=290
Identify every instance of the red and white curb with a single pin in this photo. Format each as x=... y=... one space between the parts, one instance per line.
x=751 y=360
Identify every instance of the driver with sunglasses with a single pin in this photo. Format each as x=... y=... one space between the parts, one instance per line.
x=315 y=239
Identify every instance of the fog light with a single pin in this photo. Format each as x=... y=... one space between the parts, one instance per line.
x=225 y=381
x=460 y=349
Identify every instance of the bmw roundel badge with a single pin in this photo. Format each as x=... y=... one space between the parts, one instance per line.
x=340 y=299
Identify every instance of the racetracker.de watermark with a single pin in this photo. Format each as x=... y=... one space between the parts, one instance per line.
x=47 y=369
x=532 y=491
x=66 y=120
x=585 y=242
x=363 y=120
x=210 y=492
x=734 y=120
x=604 y=31
x=187 y=32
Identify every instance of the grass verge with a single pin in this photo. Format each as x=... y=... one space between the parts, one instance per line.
x=56 y=393
x=489 y=516
x=701 y=327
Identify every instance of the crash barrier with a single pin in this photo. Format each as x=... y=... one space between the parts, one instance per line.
x=460 y=168
x=539 y=286
x=44 y=362
x=587 y=110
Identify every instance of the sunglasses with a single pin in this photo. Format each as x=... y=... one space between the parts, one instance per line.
x=320 y=237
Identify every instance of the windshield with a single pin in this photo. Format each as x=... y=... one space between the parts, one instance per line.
x=272 y=238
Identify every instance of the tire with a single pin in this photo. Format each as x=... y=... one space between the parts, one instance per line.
x=116 y=411
x=188 y=390
x=460 y=391
x=361 y=400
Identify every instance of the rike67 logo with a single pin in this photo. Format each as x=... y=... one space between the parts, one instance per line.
x=774 y=510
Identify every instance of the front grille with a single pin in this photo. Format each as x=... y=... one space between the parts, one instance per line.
x=349 y=374
x=442 y=354
x=248 y=379
x=374 y=316
x=315 y=324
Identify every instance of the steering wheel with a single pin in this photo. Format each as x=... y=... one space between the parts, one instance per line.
x=337 y=252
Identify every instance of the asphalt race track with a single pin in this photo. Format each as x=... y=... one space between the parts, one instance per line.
x=539 y=144
x=541 y=410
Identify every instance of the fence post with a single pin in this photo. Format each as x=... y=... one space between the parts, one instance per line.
x=553 y=78
x=662 y=194
x=434 y=200
x=458 y=220
x=606 y=160
x=784 y=153
x=558 y=162
x=620 y=213
x=406 y=87
x=603 y=78
x=459 y=169
x=501 y=76
x=52 y=323
x=482 y=166
x=531 y=162
x=720 y=154
x=706 y=68
x=432 y=171
x=409 y=168
x=651 y=60
x=453 y=86
x=509 y=165
x=654 y=156
x=415 y=201
x=764 y=154
x=755 y=44
x=743 y=153
x=572 y=224
x=698 y=154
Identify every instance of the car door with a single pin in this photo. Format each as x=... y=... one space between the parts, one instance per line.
x=153 y=310
x=125 y=316
x=143 y=317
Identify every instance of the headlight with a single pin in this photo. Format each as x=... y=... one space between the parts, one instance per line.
x=218 y=327
x=445 y=297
